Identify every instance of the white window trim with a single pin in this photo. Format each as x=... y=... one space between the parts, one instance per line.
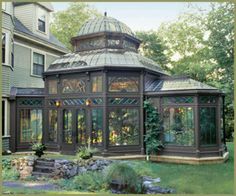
x=46 y=20
x=7 y=47
x=6 y=7
x=32 y=61
x=6 y=133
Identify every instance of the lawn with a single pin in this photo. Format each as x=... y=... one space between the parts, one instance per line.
x=185 y=179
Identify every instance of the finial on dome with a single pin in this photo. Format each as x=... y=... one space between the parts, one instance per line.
x=105 y=13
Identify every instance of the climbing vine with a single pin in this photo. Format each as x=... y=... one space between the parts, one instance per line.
x=154 y=129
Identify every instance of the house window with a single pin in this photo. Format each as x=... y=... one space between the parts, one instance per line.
x=179 y=125
x=30 y=125
x=123 y=126
x=38 y=64
x=3 y=48
x=97 y=84
x=4 y=118
x=41 y=21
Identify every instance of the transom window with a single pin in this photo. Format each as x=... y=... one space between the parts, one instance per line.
x=96 y=84
x=38 y=64
x=123 y=84
x=52 y=86
x=177 y=100
x=73 y=85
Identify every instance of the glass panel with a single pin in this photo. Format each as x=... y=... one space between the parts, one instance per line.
x=123 y=101
x=207 y=99
x=73 y=85
x=207 y=125
x=81 y=127
x=30 y=125
x=123 y=84
x=155 y=102
x=179 y=125
x=41 y=25
x=38 y=64
x=52 y=86
x=96 y=84
x=176 y=100
x=123 y=127
x=52 y=133
x=67 y=126
x=80 y=101
x=3 y=47
x=97 y=122
x=30 y=102
x=97 y=101
x=3 y=118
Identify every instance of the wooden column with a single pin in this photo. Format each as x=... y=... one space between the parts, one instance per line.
x=197 y=125
x=105 y=110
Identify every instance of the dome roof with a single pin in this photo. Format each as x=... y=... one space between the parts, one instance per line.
x=102 y=58
x=104 y=24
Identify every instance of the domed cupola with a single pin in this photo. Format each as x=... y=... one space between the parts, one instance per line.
x=105 y=32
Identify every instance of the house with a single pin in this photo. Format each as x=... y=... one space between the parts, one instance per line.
x=95 y=94
x=28 y=48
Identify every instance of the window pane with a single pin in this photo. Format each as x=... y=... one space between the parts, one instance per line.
x=67 y=126
x=123 y=84
x=177 y=100
x=81 y=127
x=123 y=127
x=207 y=99
x=52 y=133
x=179 y=125
x=41 y=25
x=38 y=69
x=3 y=47
x=73 y=85
x=30 y=125
x=38 y=64
x=96 y=84
x=38 y=58
x=52 y=87
x=97 y=122
x=207 y=125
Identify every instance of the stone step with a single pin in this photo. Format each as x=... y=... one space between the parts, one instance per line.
x=45 y=163
x=43 y=169
x=40 y=174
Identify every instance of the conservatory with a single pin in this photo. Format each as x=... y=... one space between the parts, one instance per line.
x=96 y=95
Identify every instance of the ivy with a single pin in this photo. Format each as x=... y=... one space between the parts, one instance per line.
x=154 y=129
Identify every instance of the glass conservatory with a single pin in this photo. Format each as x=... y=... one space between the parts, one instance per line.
x=96 y=94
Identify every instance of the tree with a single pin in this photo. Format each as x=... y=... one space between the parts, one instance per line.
x=152 y=47
x=66 y=24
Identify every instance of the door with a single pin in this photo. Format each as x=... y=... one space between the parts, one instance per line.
x=81 y=127
x=68 y=133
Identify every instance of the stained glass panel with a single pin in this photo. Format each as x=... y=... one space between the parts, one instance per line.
x=123 y=101
x=123 y=84
x=96 y=84
x=123 y=127
x=177 y=100
x=97 y=127
x=67 y=126
x=30 y=102
x=79 y=101
x=178 y=125
x=73 y=86
x=52 y=119
x=207 y=99
x=52 y=86
x=207 y=125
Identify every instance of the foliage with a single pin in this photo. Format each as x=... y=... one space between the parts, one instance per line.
x=154 y=129
x=125 y=176
x=86 y=152
x=6 y=163
x=10 y=174
x=39 y=149
x=66 y=24
x=152 y=47
x=89 y=181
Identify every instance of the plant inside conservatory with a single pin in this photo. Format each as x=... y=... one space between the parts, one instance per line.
x=154 y=129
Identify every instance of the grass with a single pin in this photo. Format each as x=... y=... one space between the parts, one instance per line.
x=185 y=179
x=197 y=179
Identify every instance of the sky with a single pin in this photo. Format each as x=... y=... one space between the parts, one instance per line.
x=139 y=15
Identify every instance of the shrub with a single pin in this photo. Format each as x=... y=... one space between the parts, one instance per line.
x=6 y=163
x=38 y=148
x=89 y=181
x=86 y=152
x=10 y=174
x=125 y=177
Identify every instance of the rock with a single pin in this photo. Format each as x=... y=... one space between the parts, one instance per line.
x=94 y=167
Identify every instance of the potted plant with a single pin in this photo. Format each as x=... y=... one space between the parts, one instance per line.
x=39 y=149
x=86 y=152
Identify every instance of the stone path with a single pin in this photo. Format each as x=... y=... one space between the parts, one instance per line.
x=31 y=185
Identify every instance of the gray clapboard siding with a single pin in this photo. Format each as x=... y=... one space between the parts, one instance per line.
x=7 y=21
x=6 y=72
x=26 y=14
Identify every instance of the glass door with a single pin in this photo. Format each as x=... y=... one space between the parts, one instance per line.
x=82 y=135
